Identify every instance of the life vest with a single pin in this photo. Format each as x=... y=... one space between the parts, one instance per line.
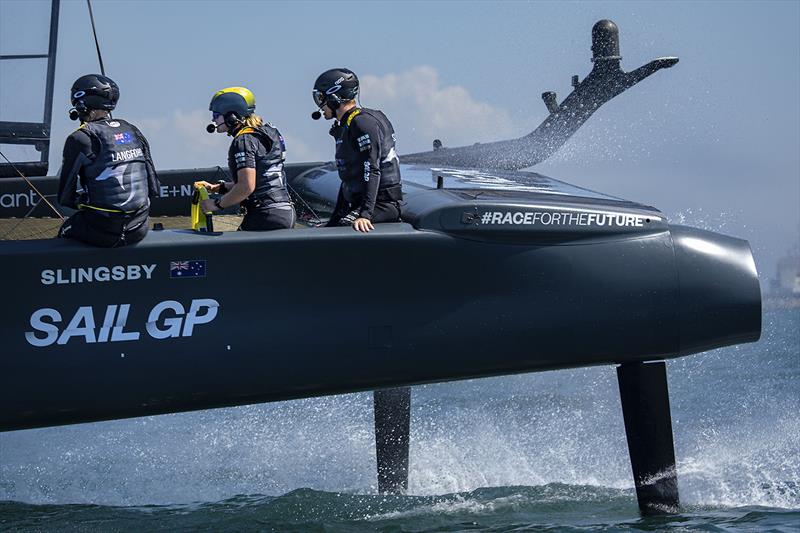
x=116 y=180
x=349 y=155
x=270 y=175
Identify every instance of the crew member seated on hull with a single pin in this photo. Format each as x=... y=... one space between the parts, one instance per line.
x=368 y=165
x=107 y=173
x=255 y=160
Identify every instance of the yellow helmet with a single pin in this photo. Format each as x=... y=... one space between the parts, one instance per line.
x=238 y=100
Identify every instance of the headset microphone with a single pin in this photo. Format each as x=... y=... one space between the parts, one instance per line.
x=73 y=114
x=316 y=115
x=211 y=128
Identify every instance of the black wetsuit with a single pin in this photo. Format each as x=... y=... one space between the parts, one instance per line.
x=107 y=174
x=368 y=167
x=269 y=206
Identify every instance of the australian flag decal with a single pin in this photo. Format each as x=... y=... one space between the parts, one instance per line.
x=123 y=138
x=187 y=269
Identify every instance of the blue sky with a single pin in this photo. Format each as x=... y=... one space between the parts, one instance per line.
x=713 y=142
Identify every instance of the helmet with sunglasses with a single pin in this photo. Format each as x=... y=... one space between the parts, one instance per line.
x=94 y=91
x=233 y=103
x=335 y=87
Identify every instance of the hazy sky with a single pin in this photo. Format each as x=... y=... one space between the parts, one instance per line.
x=713 y=142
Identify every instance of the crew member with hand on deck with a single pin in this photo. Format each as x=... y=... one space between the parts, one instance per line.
x=365 y=154
x=107 y=173
x=255 y=160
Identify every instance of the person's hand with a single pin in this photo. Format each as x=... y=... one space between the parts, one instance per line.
x=363 y=224
x=207 y=206
x=210 y=187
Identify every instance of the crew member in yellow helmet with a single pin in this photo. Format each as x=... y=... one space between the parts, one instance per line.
x=255 y=160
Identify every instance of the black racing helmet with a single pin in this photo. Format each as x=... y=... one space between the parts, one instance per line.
x=94 y=91
x=237 y=100
x=335 y=87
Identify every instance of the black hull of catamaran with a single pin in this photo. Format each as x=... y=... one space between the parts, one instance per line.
x=476 y=285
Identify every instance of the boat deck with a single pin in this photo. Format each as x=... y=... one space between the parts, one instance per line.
x=18 y=229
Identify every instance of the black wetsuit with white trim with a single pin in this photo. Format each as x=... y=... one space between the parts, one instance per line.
x=368 y=167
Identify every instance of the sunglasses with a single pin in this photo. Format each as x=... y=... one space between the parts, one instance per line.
x=319 y=98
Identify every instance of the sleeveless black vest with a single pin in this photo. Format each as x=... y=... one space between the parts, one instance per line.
x=347 y=153
x=270 y=176
x=116 y=180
